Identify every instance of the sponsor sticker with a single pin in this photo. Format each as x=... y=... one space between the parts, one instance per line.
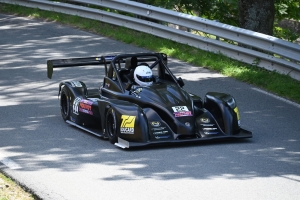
x=204 y=120
x=180 y=108
x=76 y=84
x=85 y=106
x=127 y=125
x=86 y=111
x=85 y=101
x=181 y=111
x=183 y=114
x=160 y=132
x=158 y=128
x=155 y=123
x=207 y=124
x=82 y=105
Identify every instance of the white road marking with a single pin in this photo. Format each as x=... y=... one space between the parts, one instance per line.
x=277 y=97
x=10 y=163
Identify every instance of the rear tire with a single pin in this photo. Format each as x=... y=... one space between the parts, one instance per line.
x=111 y=126
x=65 y=104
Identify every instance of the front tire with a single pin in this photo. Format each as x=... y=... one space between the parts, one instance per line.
x=65 y=104
x=111 y=126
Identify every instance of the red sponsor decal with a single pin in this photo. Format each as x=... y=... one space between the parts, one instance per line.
x=183 y=113
x=85 y=106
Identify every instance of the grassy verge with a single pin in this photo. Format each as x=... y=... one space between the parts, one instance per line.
x=10 y=190
x=281 y=85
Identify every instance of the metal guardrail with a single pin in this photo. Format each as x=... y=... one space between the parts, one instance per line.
x=276 y=54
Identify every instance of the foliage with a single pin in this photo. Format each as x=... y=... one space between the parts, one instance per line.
x=226 y=11
x=221 y=10
x=285 y=33
x=287 y=9
x=186 y=6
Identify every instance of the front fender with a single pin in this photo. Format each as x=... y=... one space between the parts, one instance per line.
x=131 y=122
x=77 y=88
x=224 y=109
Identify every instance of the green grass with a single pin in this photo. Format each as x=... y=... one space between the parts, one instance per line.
x=10 y=190
x=271 y=81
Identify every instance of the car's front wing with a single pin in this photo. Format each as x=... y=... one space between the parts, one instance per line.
x=126 y=144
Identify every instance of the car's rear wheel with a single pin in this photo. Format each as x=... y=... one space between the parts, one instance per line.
x=65 y=104
x=111 y=126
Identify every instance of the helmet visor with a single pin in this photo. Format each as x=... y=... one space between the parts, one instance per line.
x=145 y=79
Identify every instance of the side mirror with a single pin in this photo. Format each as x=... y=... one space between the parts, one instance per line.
x=180 y=82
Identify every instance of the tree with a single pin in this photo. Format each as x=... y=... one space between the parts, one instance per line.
x=257 y=15
x=186 y=6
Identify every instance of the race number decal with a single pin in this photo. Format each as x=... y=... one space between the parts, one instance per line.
x=181 y=111
x=127 y=125
x=180 y=108
x=76 y=105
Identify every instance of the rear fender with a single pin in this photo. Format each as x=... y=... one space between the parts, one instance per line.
x=224 y=109
x=131 y=122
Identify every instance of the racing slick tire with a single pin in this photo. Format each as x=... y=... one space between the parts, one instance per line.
x=65 y=104
x=111 y=126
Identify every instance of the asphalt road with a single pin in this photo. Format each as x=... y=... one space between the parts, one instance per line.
x=58 y=161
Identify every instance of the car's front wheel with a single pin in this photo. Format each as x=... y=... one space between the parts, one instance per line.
x=111 y=126
x=65 y=104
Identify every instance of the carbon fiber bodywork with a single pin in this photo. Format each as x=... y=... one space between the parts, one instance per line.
x=130 y=115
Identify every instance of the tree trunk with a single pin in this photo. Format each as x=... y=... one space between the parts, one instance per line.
x=257 y=15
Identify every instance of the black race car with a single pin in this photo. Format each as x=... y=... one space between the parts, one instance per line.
x=130 y=115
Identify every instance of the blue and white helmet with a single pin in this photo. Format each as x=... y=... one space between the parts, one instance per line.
x=143 y=75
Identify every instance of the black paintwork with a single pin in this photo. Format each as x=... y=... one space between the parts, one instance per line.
x=161 y=113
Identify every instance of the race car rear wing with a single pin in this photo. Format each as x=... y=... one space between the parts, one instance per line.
x=122 y=58
x=73 y=62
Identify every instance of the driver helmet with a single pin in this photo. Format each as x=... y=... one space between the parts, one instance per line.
x=143 y=75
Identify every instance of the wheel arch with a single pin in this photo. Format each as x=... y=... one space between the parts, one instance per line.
x=73 y=89
x=125 y=110
x=222 y=106
x=76 y=88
